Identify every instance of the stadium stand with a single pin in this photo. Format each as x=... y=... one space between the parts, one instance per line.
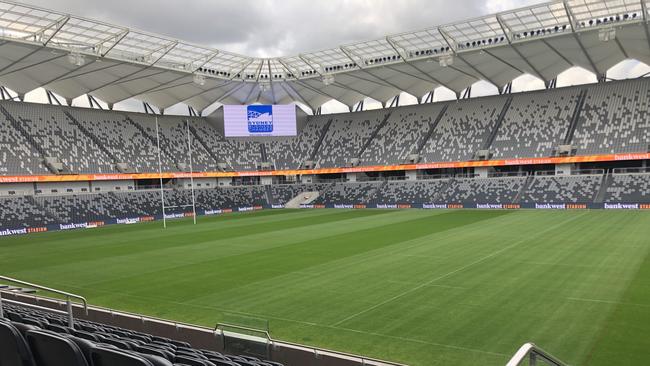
x=57 y=137
x=124 y=140
x=22 y=212
x=614 y=118
x=348 y=193
x=237 y=154
x=17 y=154
x=408 y=192
x=624 y=188
x=484 y=190
x=535 y=124
x=33 y=337
x=564 y=189
x=463 y=130
x=346 y=136
x=292 y=152
x=283 y=193
x=401 y=136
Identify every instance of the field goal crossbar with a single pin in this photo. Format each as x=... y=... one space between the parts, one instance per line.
x=162 y=190
x=532 y=353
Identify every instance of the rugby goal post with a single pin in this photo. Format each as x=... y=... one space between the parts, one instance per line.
x=162 y=190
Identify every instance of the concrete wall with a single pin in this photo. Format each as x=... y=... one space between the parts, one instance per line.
x=63 y=188
x=112 y=185
x=18 y=189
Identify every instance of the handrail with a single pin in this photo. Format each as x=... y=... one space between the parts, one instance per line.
x=315 y=350
x=532 y=353
x=67 y=295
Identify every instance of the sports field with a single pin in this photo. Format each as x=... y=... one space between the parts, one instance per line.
x=420 y=287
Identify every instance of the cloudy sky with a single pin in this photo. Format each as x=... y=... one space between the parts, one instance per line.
x=268 y=28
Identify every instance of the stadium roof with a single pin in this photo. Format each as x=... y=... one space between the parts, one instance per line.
x=72 y=56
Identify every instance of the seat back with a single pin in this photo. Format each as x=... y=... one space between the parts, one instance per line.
x=51 y=349
x=113 y=357
x=13 y=348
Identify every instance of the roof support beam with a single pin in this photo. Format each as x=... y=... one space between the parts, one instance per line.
x=453 y=46
x=566 y=60
x=573 y=22
x=117 y=39
x=125 y=79
x=506 y=30
x=30 y=65
x=67 y=73
x=64 y=78
x=165 y=86
x=644 y=10
x=20 y=59
x=207 y=60
x=58 y=25
x=207 y=91
x=302 y=99
x=316 y=90
x=167 y=48
x=250 y=92
x=271 y=81
x=226 y=94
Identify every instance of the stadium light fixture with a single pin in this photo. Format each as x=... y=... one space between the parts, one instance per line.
x=328 y=80
x=446 y=60
x=199 y=79
x=607 y=34
x=76 y=59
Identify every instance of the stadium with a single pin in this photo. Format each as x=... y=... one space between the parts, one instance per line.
x=369 y=204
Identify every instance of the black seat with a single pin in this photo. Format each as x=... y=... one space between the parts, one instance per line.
x=112 y=357
x=51 y=349
x=155 y=351
x=84 y=345
x=23 y=328
x=191 y=361
x=13 y=348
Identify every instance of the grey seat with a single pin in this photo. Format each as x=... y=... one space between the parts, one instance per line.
x=13 y=348
x=102 y=356
x=51 y=349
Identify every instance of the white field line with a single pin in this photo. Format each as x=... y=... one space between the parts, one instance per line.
x=607 y=302
x=478 y=261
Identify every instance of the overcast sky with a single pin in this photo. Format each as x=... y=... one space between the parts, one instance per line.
x=268 y=28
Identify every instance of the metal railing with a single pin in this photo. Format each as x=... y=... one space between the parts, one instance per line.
x=68 y=297
x=219 y=328
x=532 y=353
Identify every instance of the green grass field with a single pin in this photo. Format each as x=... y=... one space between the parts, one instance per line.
x=420 y=287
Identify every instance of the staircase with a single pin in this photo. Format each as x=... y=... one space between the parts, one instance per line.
x=269 y=195
x=312 y=156
x=495 y=131
x=373 y=135
x=602 y=191
x=198 y=138
x=575 y=117
x=18 y=127
x=152 y=139
x=92 y=137
x=303 y=198
x=524 y=188
x=432 y=127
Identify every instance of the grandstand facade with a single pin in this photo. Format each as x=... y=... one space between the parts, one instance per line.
x=413 y=156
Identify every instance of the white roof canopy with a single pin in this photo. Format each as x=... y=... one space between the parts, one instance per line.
x=72 y=56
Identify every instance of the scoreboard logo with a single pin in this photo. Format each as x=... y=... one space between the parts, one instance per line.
x=260 y=118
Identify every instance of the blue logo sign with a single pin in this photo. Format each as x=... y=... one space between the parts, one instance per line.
x=260 y=118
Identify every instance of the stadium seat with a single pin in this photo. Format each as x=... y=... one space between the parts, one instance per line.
x=14 y=351
x=51 y=349
x=102 y=356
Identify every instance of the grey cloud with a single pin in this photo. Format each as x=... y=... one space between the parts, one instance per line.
x=274 y=27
